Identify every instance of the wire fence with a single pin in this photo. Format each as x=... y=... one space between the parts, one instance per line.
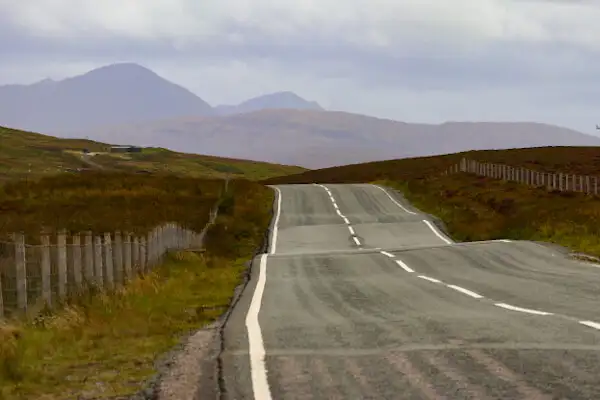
x=32 y=276
x=552 y=181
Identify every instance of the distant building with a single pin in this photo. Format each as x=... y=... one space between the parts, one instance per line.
x=125 y=149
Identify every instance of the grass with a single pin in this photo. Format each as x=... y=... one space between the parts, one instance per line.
x=478 y=208
x=106 y=344
x=32 y=155
x=106 y=202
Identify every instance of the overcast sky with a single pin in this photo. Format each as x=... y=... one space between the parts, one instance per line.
x=410 y=60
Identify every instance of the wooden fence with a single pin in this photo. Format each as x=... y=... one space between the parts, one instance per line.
x=64 y=265
x=552 y=181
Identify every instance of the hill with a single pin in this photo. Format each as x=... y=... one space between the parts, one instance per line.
x=319 y=139
x=279 y=100
x=480 y=208
x=27 y=154
x=114 y=94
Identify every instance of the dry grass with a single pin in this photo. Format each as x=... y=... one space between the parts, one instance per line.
x=32 y=155
x=106 y=344
x=479 y=208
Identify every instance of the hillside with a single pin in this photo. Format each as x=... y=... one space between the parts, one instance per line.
x=27 y=154
x=319 y=139
x=480 y=208
x=114 y=94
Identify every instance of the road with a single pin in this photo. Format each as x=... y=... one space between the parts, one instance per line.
x=363 y=297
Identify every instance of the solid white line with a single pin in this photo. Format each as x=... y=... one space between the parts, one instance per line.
x=404 y=266
x=430 y=225
x=525 y=310
x=256 y=347
x=465 y=291
x=356 y=240
x=351 y=229
x=430 y=279
x=591 y=324
x=385 y=253
x=394 y=200
x=276 y=222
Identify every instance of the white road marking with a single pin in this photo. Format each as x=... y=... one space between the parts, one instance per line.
x=276 y=222
x=256 y=346
x=394 y=200
x=465 y=291
x=525 y=310
x=591 y=324
x=385 y=253
x=346 y=220
x=404 y=266
x=430 y=279
x=356 y=240
x=351 y=229
x=438 y=234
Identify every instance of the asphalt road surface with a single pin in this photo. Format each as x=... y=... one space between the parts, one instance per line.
x=363 y=297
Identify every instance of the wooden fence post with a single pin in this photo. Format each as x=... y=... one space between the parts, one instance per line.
x=127 y=255
x=143 y=254
x=45 y=268
x=136 y=254
x=118 y=258
x=21 y=271
x=98 y=261
x=61 y=258
x=88 y=258
x=77 y=274
x=596 y=185
x=108 y=261
x=587 y=185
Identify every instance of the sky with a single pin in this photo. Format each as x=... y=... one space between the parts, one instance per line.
x=410 y=60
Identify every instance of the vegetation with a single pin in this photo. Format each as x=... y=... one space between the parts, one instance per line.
x=105 y=202
x=32 y=155
x=479 y=208
x=105 y=345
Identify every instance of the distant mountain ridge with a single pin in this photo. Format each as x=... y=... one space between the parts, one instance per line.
x=129 y=104
x=319 y=139
x=278 y=100
x=113 y=95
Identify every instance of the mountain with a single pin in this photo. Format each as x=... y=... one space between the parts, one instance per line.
x=318 y=139
x=279 y=100
x=114 y=94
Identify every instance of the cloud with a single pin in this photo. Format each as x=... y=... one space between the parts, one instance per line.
x=526 y=55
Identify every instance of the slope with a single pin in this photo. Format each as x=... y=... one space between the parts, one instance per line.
x=26 y=154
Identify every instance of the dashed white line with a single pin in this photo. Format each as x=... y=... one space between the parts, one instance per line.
x=404 y=266
x=591 y=324
x=276 y=222
x=256 y=346
x=437 y=233
x=385 y=253
x=430 y=279
x=524 y=310
x=346 y=220
x=351 y=229
x=394 y=200
x=356 y=240
x=465 y=291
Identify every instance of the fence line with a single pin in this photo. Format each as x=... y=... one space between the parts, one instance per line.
x=64 y=265
x=552 y=181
